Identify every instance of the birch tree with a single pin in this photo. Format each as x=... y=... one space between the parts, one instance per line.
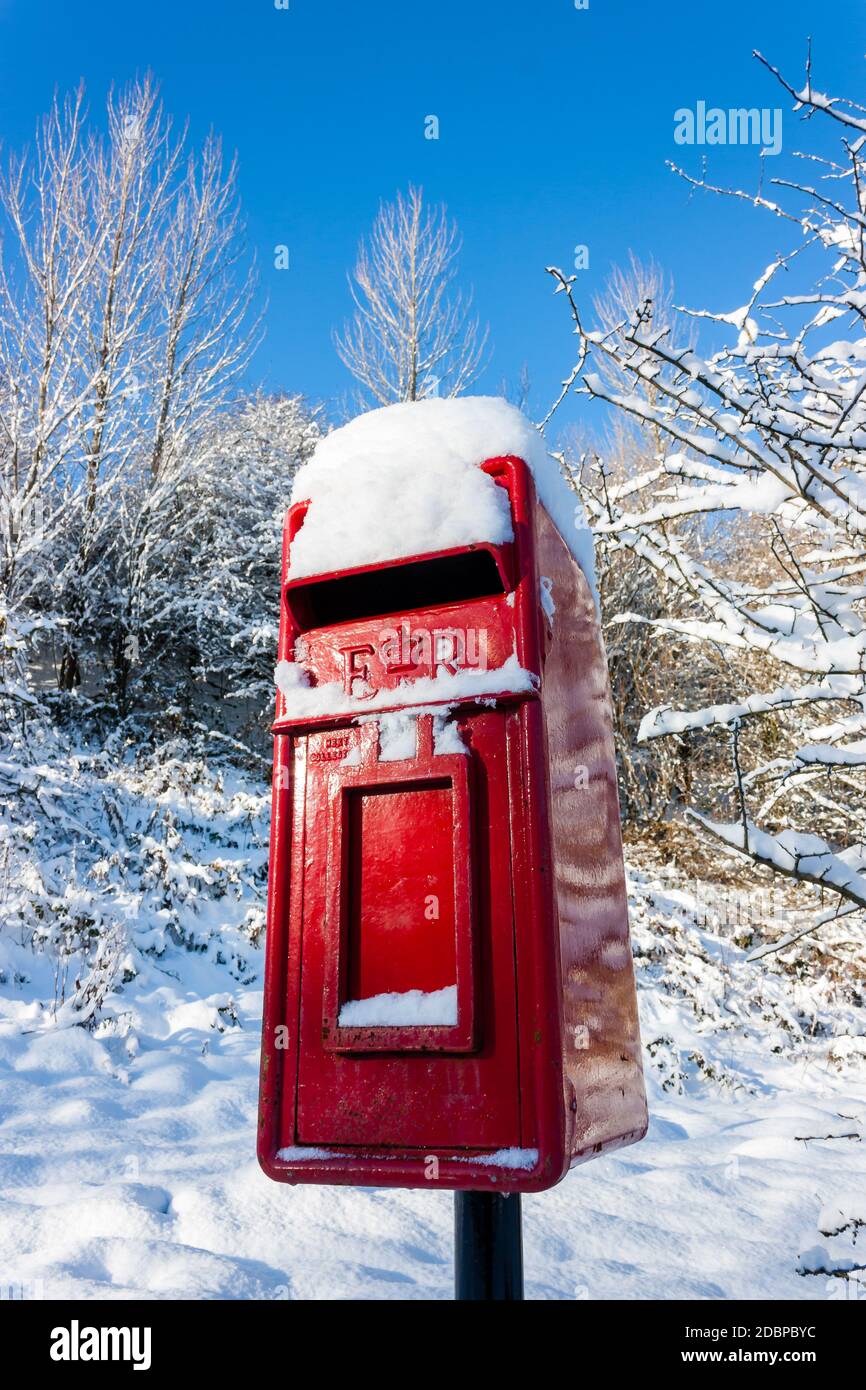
x=129 y=187
x=47 y=264
x=202 y=337
x=768 y=428
x=412 y=334
x=125 y=295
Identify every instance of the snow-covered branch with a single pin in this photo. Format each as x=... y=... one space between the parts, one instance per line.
x=759 y=438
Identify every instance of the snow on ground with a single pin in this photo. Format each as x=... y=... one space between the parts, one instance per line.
x=127 y=1161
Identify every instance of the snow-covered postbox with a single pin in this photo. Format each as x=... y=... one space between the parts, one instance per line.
x=449 y=994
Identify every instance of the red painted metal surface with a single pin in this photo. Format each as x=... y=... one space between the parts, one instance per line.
x=496 y=872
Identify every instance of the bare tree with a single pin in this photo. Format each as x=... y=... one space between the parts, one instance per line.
x=770 y=429
x=644 y=289
x=409 y=336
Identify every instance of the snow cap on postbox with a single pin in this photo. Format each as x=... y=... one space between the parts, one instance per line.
x=405 y=480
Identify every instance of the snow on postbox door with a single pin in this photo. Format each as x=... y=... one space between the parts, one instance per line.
x=449 y=996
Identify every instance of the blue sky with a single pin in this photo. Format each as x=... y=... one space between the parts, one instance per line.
x=555 y=125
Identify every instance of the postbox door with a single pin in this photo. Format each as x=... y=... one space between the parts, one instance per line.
x=408 y=1017
x=398 y=939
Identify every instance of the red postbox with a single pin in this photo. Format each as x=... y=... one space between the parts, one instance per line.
x=449 y=992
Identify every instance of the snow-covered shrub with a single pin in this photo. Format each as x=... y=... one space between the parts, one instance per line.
x=112 y=855
x=209 y=610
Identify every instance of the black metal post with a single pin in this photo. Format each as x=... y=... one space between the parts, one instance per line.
x=488 y=1246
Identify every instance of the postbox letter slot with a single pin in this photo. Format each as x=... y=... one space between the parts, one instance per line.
x=432 y=582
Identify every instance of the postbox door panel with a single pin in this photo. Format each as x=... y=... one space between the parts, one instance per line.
x=408 y=937
x=399 y=958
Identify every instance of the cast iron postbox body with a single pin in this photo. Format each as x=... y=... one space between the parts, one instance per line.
x=475 y=861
